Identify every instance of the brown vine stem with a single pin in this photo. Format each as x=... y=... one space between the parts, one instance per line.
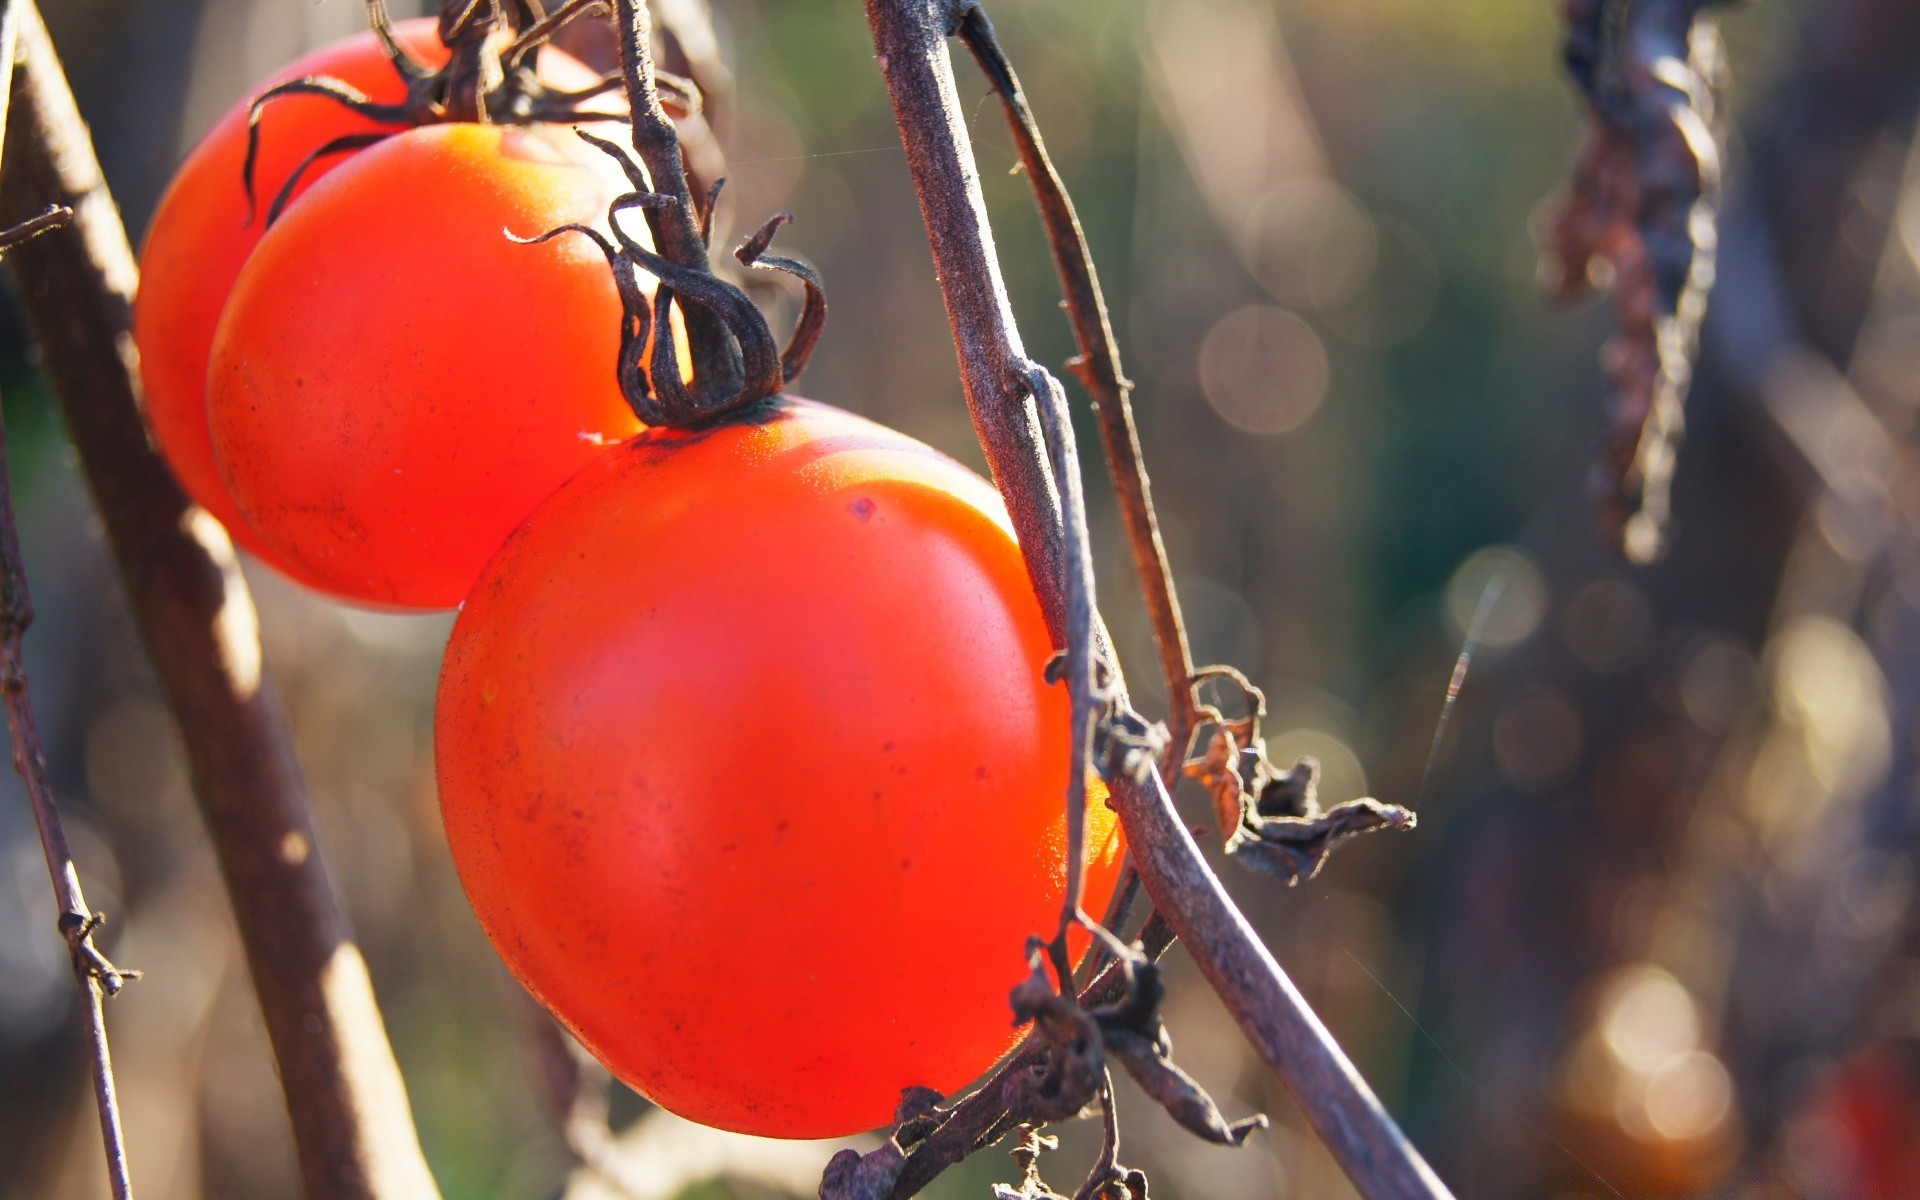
x=1098 y=368
x=676 y=225
x=690 y=47
x=351 y=1125
x=910 y=40
x=1056 y=424
x=94 y=976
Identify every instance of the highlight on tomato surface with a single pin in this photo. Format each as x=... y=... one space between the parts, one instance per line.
x=751 y=774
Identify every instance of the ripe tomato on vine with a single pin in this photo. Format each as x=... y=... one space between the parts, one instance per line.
x=750 y=771
x=396 y=384
x=208 y=225
x=205 y=227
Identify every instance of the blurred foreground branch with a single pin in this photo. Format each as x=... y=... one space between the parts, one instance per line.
x=349 y=1112
x=1638 y=219
x=910 y=37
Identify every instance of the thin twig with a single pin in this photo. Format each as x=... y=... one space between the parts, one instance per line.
x=351 y=1125
x=94 y=976
x=1107 y=1166
x=910 y=38
x=1077 y=586
x=1098 y=368
x=57 y=216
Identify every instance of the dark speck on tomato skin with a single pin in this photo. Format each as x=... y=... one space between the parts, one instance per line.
x=864 y=508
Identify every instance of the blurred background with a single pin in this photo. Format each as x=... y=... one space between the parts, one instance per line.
x=1657 y=932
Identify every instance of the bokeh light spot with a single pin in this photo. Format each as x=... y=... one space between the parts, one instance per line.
x=1499 y=594
x=1264 y=370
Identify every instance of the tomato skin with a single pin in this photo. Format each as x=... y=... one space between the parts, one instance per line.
x=201 y=236
x=750 y=773
x=395 y=384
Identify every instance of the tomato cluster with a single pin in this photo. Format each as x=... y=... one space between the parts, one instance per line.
x=361 y=393
x=745 y=754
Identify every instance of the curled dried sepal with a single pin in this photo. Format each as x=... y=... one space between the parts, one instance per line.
x=813 y=310
x=1271 y=819
x=478 y=83
x=1638 y=217
x=1125 y=744
x=649 y=369
x=1284 y=833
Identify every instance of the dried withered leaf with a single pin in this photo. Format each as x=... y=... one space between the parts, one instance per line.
x=1187 y=1102
x=1218 y=771
x=1068 y=1079
x=1638 y=218
x=851 y=1175
x=1132 y=1032
x=1282 y=831
x=1296 y=847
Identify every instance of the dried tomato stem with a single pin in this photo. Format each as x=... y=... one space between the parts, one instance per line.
x=473 y=71
x=1056 y=425
x=717 y=368
x=94 y=976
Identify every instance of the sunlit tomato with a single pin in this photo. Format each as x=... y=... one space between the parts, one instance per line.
x=201 y=235
x=396 y=383
x=750 y=773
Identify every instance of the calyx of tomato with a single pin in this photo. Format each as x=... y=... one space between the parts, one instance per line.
x=735 y=363
x=489 y=78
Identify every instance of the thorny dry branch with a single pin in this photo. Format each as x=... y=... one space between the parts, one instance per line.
x=1638 y=218
x=351 y=1125
x=93 y=974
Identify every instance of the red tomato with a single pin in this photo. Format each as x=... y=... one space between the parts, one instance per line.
x=201 y=235
x=750 y=773
x=396 y=383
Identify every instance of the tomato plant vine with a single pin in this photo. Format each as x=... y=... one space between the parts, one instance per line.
x=1636 y=194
